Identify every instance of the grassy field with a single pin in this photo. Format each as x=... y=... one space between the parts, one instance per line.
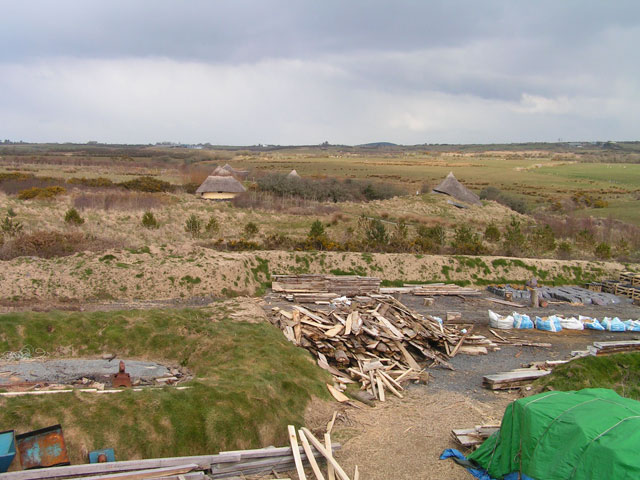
x=249 y=382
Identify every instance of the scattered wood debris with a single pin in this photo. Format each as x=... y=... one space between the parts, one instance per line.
x=472 y=437
x=514 y=378
x=379 y=343
x=607 y=348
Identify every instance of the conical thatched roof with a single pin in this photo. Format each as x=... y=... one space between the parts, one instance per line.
x=242 y=174
x=227 y=184
x=451 y=186
x=293 y=174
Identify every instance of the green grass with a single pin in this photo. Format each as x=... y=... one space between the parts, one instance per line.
x=620 y=372
x=250 y=382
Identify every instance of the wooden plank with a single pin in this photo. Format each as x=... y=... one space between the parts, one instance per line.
x=505 y=302
x=144 y=474
x=410 y=360
x=380 y=388
x=312 y=460
x=331 y=473
x=337 y=394
x=296 y=452
x=316 y=443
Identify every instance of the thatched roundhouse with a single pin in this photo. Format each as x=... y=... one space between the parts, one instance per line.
x=218 y=187
x=293 y=174
x=239 y=174
x=452 y=187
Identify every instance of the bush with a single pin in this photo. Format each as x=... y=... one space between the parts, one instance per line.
x=316 y=231
x=491 y=233
x=436 y=233
x=466 y=242
x=147 y=184
x=11 y=212
x=149 y=220
x=98 y=182
x=514 y=240
x=497 y=195
x=72 y=217
x=10 y=227
x=330 y=189
x=543 y=239
x=192 y=226
x=213 y=226
x=376 y=233
x=603 y=251
x=49 y=244
x=250 y=230
x=564 y=250
x=41 y=193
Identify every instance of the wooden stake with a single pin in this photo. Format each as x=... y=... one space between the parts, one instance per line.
x=310 y=456
x=316 y=443
x=296 y=452
x=380 y=389
x=331 y=422
x=356 y=474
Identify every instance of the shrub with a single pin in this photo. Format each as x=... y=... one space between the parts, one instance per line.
x=491 y=233
x=72 y=217
x=48 y=244
x=147 y=184
x=603 y=251
x=192 y=226
x=497 y=195
x=513 y=239
x=213 y=226
x=376 y=233
x=10 y=227
x=41 y=193
x=11 y=212
x=316 y=231
x=436 y=233
x=543 y=239
x=466 y=242
x=98 y=182
x=564 y=250
x=250 y=230
x=149 y=220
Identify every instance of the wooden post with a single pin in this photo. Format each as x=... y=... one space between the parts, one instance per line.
x=534 y=298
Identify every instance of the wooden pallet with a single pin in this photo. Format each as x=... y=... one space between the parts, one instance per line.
x=630 y=277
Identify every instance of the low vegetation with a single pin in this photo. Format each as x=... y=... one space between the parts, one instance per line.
x=250 y=383
x=620 y=372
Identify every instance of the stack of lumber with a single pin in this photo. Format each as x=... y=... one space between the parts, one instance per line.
x=472 y=437
x=607 y=348
x=336 y=285
x=514 y=379
x=631 y=278
x=431 y=289
x=378 y=344
x=224 y=465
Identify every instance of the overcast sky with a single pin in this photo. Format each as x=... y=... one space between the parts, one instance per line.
x=244 y=72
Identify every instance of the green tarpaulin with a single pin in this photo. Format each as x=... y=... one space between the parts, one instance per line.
x=589 y=434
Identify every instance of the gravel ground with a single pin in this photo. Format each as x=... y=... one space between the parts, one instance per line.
x=67 y=371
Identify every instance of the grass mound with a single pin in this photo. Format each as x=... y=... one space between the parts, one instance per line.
x=250 y=382
x=620 y=372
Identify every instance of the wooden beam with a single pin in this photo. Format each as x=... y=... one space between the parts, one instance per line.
x=316 y=443
x=296 y=452
x=310 y=457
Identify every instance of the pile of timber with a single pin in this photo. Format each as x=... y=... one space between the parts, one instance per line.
x=432 y=289
x=379 y=344
x=515 y=378
x=335 y=285
x=224 y=465
x=472 y=437
x=607 y=348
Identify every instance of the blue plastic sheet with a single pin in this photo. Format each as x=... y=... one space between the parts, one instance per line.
x=478 y=472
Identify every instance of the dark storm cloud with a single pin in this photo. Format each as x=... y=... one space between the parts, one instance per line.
x=303 y=71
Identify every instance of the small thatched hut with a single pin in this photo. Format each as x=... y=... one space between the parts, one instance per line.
x=221 y=172
x=220 y=187
x=452 y=187
x=293 y=174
